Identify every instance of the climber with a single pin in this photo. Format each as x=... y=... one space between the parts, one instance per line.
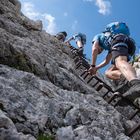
x=61 y=36
x=80 y=39
x=115 y=39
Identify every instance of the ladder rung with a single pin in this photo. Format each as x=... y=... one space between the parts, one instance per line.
x=99 y=87
x=133 y=130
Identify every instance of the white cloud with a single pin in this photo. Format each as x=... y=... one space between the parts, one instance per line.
x=47 y=19
x=74 y=25
x=51 y=28
x=28 y=10
x=104 y=6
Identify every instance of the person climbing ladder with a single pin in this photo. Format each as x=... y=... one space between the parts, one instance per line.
x=116 y=40
x=80 y=39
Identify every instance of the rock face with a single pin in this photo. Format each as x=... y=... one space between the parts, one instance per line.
x=40 y=91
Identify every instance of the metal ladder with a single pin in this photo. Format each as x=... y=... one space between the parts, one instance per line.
x=111 y=96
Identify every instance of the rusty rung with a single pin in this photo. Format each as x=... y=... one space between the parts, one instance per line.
x=133 y=130
x=134 y=114
x=99 y=87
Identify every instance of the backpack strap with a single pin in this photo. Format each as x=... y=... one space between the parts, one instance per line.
x=112 y=39
x=126 y=41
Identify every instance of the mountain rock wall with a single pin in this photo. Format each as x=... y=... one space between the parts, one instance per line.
x=40 y=90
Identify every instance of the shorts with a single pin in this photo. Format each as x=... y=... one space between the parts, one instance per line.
x=121 y=46
x=119 y=51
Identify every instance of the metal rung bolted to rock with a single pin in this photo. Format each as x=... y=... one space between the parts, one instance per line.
x=116 y=98
x=133 y=130
x=134 y=114
x=99 y=87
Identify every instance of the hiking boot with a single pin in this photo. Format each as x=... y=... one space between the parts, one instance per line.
x=121 y=85
x=134 y=91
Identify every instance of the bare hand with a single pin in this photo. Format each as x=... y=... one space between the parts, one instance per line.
x=67 y=43
x=92 y=70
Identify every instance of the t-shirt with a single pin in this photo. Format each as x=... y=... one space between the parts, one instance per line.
x=103 y=41
x=80 y=36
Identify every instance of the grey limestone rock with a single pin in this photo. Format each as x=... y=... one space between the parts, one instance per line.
x=40 y=90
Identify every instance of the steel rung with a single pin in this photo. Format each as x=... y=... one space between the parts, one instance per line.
x=106 y=94
x=99 y=87
x=95 y=84
x=78 y=65
x=133 y=130
x=134 y=114
x=90 y=79
x=116 y=94
x=83 y=73
x=85 y=76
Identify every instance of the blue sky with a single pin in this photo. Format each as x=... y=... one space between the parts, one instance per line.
x=86 y=16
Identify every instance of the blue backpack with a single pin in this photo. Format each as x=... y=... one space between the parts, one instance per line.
x=117 y=28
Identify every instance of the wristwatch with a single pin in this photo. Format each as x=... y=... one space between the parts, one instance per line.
x=93 y=66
